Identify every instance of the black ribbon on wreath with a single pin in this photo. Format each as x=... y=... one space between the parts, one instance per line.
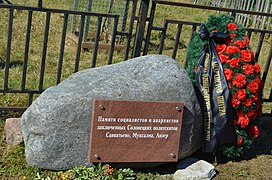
x=215 y=97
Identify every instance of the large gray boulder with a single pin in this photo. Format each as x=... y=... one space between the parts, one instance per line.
x=56 y=127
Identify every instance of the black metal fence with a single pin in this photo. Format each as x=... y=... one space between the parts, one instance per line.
x=137 y=40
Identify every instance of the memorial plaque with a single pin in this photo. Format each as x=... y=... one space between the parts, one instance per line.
x=135 y=131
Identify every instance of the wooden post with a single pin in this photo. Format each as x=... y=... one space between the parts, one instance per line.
x=140 y=28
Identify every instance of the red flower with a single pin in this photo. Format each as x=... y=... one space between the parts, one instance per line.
x=257 y=68
x=195 y=69
x=234 y=62
x=223 y=58
x=254 y=131
x=235 y=102
x=240 y=80
x=240 y=141
x=233 y=35
x=248 y=69
x=253 y=117
x=229 y=86
x=251 y=113
x=246 y=40
x=248 y=102
x=253 y=86
x=240 y=43
x=240 y=94
x=257 y=79
x=232 y=49
x=232 y=27
x=243 y=121
x=228 y=74
x=220 y=48
x=255 y=97
x=246 y=55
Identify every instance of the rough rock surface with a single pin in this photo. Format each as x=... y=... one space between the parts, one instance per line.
x=13 y=131
x=192 y=168
x=56 y=127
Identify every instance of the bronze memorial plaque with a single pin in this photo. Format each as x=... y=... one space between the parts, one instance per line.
x=135 y=131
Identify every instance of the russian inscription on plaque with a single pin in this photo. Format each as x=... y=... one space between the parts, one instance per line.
x=135 y=131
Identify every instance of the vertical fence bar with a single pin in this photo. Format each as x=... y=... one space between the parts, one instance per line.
x=249 y=33
x=163 y=37
x=40 y=3
x=8 y=49
x=177 y=41
x=45 y=41
x=257 y=53
x=62 y=46
x=30 y=99
x=96 y=43
x=150 y=24
x=113 y=39
x=79 y=43
x=125 y=12
x=140 y=28
x=28 y=30
x=130 y=29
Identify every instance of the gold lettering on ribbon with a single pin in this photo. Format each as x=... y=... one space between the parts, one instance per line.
x=218 y=88
x=217 y=79
x=207 y=103
x=221 y=105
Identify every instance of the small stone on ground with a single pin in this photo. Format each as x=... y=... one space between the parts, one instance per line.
x=192 y=168
x=13 y=131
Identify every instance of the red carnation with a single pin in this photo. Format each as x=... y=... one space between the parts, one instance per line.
x=255 y=97
x=232 y=49
x=253 y=117
x=254 y=131
x=240 y=94
x=248 y=69
x=220 y=48
x=257 y=79
x=240 y=80
x=243 y=121
x=251 y=113
x=235 y=102
x=253 y=86
x=228 y=74
x=240 y=141
x=257 y=68
x=223 y=58
x=246 y=55
x=246 y=40
x=248 y=102
x=234 y=62
x=233 y=35
x=240 y=43
x=232 y=27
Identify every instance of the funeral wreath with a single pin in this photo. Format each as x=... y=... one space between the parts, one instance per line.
x=222 y=46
